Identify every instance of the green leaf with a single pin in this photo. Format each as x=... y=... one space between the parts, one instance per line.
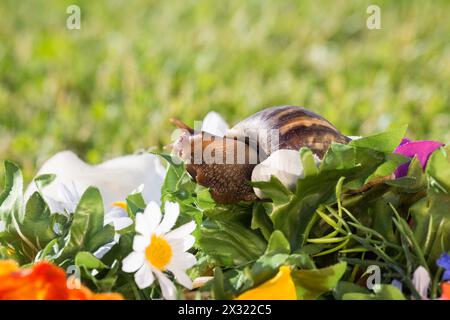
x=385 y=292
x=311 y=284
x=346 y=287
x=44 y=180
x=135 y=203
x=415 y=181
x=294 y=216
x=219 y=289
x=89 y=261
x=204 y=199
x=261 y=221
x=358 y=162
x=339 y=156
x=273 y=189
x=276 y=255
x=278 y=244
x=11 y=199
x=87 y=232
x=309 y=164
x=388 y=167
x=240 y=213
x=431 y=215
x=364 y=162
x=385 y=142
x=265 y=268
x=49 y=252
x=431 y=225
x=176 y=175
x=36 y=224
x=438 y=168
x=301 y=260
x=230 y=243
x=21 y=248
x=381 y=214
x=121 y=249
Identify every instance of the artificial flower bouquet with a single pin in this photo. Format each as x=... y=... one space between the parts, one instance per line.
x=369 y=221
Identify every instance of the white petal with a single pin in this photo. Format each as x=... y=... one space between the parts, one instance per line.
x=118 y=218
x=140 y=243
x=182 y=278
x=115 y=178
x=139 y=189
x=200 y=282
x=144 y=277
x=2 y=226
x=147 y=222
x=116 y=212
x=122 y=223
x=421 y=281
x=171 y=212
x=55 y=206
x=182 y=244
x=214 y=124
x=100 y=253
x=119 y=177
x=133 y=261
x=188 y=242
x=182 y=261
x=70 y=193
x=285 y=165
x=153 y=215
x=182 y=231
x=168 y=289
x=142 y=226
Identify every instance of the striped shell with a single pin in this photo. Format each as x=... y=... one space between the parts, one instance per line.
x=298 y=127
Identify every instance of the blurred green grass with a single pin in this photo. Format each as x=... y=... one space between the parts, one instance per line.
x=109 y=88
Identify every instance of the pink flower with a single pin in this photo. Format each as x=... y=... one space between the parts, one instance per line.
x=422 y=149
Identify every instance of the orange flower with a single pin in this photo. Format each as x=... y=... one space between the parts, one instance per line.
x=43 y=281
x=445 y=286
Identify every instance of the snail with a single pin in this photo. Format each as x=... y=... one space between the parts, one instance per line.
x=225 y=164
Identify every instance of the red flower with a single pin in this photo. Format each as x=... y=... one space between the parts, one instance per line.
x=43 y=281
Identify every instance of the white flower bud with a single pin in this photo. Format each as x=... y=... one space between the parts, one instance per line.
x=284 y=164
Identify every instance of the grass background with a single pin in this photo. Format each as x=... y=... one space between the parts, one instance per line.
x=109 y=88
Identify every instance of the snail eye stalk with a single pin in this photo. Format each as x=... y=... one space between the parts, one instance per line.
x=180 y=124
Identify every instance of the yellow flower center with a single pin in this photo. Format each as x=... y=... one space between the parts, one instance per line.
x=159 y=252
x=121 y=204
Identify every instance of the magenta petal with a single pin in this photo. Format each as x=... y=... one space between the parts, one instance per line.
x=422 y=149
x=404 y=141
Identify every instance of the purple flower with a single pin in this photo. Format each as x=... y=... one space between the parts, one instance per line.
x=422 y=149
x=444 y=262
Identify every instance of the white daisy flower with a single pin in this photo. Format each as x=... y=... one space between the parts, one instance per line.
x=158 y=249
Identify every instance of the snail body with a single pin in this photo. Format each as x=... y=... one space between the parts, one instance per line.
x=225 y=164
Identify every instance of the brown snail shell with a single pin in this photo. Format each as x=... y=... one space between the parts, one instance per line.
x=295 y=127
